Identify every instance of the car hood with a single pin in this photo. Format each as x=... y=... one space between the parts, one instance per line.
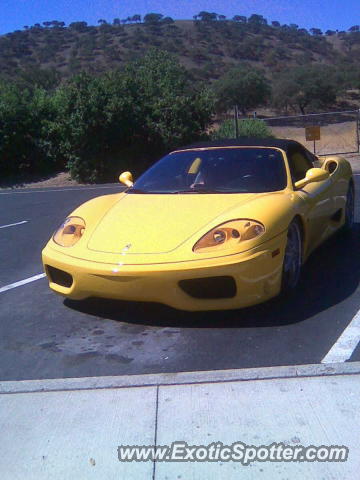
x=150 y=224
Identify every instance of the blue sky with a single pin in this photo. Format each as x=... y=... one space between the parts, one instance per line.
x=324 y=14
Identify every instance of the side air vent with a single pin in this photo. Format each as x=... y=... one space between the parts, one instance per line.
x=331 y=167
x=60 y=277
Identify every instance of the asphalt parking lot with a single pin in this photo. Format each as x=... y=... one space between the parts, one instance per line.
x=43 y=335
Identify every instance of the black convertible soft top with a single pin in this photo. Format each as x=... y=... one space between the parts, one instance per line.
x=244 y=142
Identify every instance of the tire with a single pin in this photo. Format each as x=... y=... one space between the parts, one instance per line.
x=349 y=209
x=292 y=258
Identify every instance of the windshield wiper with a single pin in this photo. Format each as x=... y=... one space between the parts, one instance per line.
x=170 y=192
x=193 y=190
x=136 y=190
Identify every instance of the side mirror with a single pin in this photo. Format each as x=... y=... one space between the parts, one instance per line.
x=127 y=179
x=313 y=175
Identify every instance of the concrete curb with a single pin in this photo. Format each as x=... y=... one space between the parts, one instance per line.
x=181 y=378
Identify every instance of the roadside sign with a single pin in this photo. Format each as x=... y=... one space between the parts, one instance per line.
x=312 y=133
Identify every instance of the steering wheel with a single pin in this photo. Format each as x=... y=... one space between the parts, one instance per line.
x=234 y=182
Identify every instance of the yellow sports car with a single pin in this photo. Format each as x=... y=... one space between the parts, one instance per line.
x=210 y=226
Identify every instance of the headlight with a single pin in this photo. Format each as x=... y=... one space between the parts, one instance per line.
x=228 y=235
x=69 y=232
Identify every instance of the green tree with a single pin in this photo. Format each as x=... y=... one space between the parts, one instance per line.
x=256 y=19
x=316 y=31
x=78 y=26
x=242 y=86
x=308 y=86
x=240 y=18
x=206 y=16
x=96 y=121
x=152 y=18
x=167 y=20
x=141 y=112
x=26 y=139
x=136 y=18
x=176 y=112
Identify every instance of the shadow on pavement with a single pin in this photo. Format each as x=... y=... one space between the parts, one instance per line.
x=331 y=274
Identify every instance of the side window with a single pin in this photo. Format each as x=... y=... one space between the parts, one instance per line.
x=311 y=157
x=299 y=164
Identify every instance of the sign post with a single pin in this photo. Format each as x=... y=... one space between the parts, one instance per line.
x=313 y=133
x=236 y=121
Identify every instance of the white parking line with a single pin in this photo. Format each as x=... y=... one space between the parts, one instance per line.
x=14 y=224
x=345 y=345
x=62 y=190
x=22 y=282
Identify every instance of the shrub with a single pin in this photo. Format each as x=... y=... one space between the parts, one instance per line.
x=247 y=128
x=98 y=125
x=28 y=142
x=150 y=105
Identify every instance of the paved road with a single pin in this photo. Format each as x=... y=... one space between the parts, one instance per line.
x=44 y=336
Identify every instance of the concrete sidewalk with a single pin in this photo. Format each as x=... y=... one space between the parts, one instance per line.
x=71 y=428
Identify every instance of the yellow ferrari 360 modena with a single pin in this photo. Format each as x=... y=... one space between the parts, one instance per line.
x=210 y=226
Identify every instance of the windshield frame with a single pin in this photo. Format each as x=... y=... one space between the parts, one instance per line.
x=133 y=189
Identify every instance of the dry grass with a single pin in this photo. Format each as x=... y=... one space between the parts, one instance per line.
x=335 y=138
x=62 y=179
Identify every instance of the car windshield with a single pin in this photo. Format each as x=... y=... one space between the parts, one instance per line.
x=216 y=170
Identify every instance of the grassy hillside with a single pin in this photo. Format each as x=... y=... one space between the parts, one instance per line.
x=95 y=100
x=206 y=48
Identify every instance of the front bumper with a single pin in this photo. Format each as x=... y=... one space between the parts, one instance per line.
x=256 y=275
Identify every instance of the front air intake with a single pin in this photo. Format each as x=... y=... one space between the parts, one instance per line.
x=209 y=287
